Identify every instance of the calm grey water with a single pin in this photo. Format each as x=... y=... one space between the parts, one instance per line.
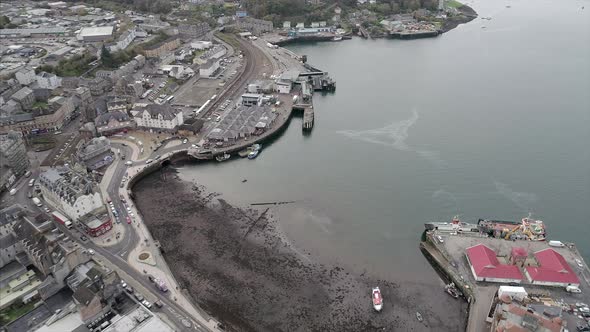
x=480 y=122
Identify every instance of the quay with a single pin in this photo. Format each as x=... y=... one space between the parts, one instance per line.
x=468 y=256
x=294 y=82
x=414 y=34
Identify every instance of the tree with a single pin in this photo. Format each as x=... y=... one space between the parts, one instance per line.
x=106 y=57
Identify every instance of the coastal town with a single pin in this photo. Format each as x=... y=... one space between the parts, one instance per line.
x=94 y=98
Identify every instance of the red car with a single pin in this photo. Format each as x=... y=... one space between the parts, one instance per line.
x=128 y=220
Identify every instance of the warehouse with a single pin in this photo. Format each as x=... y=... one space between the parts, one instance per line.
x=95 y=34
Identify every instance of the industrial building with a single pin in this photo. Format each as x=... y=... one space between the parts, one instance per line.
x=485 y=266
x=95 y=34
x=552 y=270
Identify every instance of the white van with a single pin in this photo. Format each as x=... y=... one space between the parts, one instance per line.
x=573 y=289
x=12 y=191
x=31 y=182
x=558 y=244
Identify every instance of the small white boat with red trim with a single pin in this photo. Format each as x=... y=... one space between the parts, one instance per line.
x=377 y=299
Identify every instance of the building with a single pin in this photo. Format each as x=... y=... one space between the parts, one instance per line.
x=26 y=76
x=241 y=122
x=124 y=40
x=113 y=122
x=254 y=25
x=95 y=34
x=96 y=224
x=70 y=191
x=52 y=253
x=209 y=68
x=43 y=32
x=13 y=154
x=514 y=317
x=158 y=117
x=96 y=153
x=485 y=266
x=285 y=82
x=177 y=71
x=25 y=97
x=163 y=48
x=95 y=289
x=190 y=127
x=552 y=270
x=251 y=99
x=194 y=30
x=83 y=101
x=99 y=86
x=48 y=80
x=201 y=45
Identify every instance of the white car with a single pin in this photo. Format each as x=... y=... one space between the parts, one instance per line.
x=128 y=209
x=579 y=263
x=440 y=239
x=149 y=161
x=90 y=252
x=184 y=141
x=128 y=163
x=147 y=304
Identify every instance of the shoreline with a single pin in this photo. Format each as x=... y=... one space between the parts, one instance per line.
x=241 y=267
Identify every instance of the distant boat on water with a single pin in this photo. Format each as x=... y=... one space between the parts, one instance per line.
x=419 y=316
x=337 y=38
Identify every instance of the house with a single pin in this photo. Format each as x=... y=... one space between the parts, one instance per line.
x=552 y=270
x=25 y=97
x=485 y=266
x=113 y=122
x=99 y=85
x=71 y=191
x=254 y=25
x=159 y=117
x=162 y=48
x=96 y=153
x=209 y=68
x=96 y=224
x=26 y=76
x=194 y=30
x=48 y=80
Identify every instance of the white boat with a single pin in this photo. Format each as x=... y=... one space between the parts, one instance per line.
x=419 y=316
x=337 y=38
x=253 y=154
x=377 y=299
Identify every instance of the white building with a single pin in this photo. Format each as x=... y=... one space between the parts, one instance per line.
x=124 y=41
x=158 y=117
x=177 y=71
x=208 y=68
x=26 y=76
x=95 y=34
x=48 y=81
x=201 y=45
x=70 y=191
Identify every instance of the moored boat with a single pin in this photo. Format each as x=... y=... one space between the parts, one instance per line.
x=377 y=299
x=253 y=154
x=222 y=157
x=337 y=38
x=419 y=316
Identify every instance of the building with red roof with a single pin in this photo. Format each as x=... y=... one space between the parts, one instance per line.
x=485 y=266
x=553 y=270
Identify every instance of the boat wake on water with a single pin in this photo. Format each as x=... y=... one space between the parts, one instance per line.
x=394 y=135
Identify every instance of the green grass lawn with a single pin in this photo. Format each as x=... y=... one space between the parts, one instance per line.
x=13 y=312
x=454 y=4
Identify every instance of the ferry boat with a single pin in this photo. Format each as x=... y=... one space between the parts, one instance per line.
x=253 y=154
x=222 y=157
x=377 y=299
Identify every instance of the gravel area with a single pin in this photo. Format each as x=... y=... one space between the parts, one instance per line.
x=240 y=267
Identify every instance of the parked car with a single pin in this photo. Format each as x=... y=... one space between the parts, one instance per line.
x=129 y=289
x=149 y=161
x=138 y=296
x=147 y=304
x=159 y=304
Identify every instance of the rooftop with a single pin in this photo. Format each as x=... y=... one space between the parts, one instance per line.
x=96 y=31
x=485 y=264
